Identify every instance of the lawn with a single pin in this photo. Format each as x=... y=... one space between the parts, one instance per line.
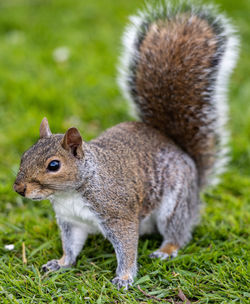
x=82 y=92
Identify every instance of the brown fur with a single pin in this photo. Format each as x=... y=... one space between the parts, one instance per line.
x=167 y=80
x=138 y=177
x=33 y=168
x=123 y=174
x=61 y=261
x=169 y=249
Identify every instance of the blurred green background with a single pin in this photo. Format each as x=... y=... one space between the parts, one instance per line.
x=58 y=59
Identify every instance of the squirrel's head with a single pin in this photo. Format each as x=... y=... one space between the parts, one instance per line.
x=51 y=165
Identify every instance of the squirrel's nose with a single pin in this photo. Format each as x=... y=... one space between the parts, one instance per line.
x=20 y=188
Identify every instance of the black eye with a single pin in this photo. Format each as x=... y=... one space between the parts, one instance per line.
x=54 y=165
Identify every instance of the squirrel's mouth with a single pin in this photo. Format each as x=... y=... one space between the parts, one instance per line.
x=38 y=198
x=37 y=194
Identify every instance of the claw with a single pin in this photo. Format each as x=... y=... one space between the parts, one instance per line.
x=52 y=265
x=121 y=283
x=162 y=255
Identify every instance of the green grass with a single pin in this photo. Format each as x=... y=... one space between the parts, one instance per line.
x=83 y=92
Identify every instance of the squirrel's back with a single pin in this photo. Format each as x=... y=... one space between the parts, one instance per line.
x=175 y=68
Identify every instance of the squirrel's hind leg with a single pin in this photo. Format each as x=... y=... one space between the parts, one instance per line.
x=178 y=211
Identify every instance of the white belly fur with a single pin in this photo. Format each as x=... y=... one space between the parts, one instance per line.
x=72 y=207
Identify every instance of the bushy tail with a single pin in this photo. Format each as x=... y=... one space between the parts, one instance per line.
x=175 y=68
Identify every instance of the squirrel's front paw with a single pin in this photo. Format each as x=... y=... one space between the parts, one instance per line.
x=123 y=282
x=52 y=265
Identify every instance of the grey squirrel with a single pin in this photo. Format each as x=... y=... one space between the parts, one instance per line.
x=141 y=177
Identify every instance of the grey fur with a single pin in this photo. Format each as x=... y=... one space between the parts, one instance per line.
x=134 y=178
x=213 y=97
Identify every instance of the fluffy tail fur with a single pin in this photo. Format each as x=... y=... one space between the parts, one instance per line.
x=175 y=68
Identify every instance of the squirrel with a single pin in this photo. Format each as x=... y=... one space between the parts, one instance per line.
x=144 y=176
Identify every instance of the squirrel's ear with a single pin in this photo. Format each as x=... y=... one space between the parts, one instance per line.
x=72 y=141
x=44 y=128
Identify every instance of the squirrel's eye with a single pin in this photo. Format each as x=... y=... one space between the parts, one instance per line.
x=54 y=165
